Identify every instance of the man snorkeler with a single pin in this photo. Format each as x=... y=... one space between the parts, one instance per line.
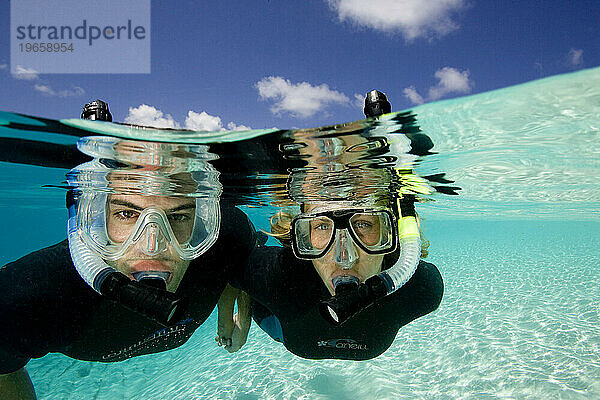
x=141 y=271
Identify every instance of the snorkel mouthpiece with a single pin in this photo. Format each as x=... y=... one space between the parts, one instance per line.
x=155 y=303
x=344 y=282
x=351 y=298
x=157 y=279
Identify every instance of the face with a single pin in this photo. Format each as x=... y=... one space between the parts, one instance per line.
x=122 y=213
x=364 y=265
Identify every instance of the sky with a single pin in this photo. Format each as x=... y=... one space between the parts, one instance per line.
x=298 y=64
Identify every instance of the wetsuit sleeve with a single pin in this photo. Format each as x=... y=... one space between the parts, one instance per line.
x=208 y=275
x=17 y=294
x=11 y=360
x=433 y=291
x=237 y=238
x=259 y=275
x=35 y=305
x=276 y=279
x=229 y=253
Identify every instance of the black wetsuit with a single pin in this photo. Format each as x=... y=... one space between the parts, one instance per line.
x=287 y=291
x=45 y=306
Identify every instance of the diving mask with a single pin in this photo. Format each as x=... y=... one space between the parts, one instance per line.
x=110 y=224
x=371 y=229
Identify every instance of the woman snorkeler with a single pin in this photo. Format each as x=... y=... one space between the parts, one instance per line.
x=345 y=280
x=349 y=274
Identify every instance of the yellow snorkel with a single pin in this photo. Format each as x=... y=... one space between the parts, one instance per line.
x=409 y=241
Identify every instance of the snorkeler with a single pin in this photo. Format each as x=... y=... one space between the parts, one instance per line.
x=349 y=274
x=141 y=270
x=321 y=294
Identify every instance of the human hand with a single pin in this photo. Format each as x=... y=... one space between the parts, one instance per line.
x=225 y=325
x=223 y=341
x=232 y=329
x=239 y=334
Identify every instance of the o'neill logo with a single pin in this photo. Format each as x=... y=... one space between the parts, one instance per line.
x=342 y=344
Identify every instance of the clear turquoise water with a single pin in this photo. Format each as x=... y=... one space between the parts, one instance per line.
x=518 y=250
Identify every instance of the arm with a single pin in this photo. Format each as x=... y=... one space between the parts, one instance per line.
x=232 y=330
x=242 y=320
x=17 y=386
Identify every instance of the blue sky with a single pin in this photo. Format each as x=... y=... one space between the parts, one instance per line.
x=284 y=64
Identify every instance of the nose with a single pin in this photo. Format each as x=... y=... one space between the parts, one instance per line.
x=153 y=241
x=345 y=250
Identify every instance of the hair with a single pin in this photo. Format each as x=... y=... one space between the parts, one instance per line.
x=281 y=226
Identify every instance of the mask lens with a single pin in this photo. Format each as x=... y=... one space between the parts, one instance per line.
x=120 y=222
x=312 y=235
x=367 y=228
x=182 y=224
x=321 y=229
x=373 y=230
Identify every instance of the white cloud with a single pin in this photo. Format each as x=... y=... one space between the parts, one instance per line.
x=575 y=57
x=359 y=100
x=203 y=122
x=150 y=116
x=413 y=18
x=234 y=127
x=206 y=122
x=412 y=94
x=46 y=89
x=299 y=99
x=27 y=74
x=450 y=81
